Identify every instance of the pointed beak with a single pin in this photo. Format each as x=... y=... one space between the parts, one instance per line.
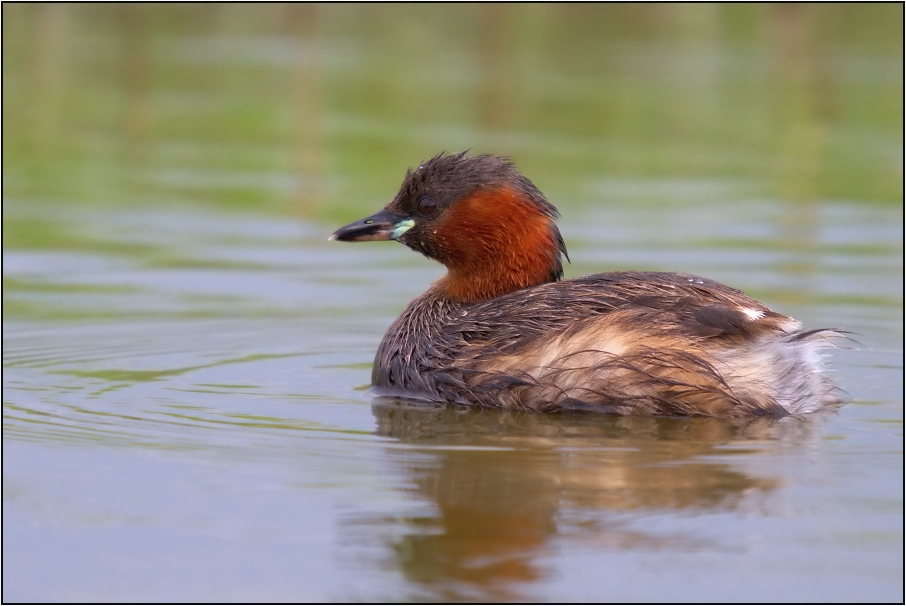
x=383 y=225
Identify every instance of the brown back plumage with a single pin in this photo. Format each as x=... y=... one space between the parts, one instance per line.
x=627 y=342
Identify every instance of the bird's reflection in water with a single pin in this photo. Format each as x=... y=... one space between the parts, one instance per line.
x=506 y=483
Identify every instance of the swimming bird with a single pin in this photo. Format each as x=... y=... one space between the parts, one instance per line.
x=502 y=330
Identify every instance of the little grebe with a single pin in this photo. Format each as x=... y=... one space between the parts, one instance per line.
x=500 y=330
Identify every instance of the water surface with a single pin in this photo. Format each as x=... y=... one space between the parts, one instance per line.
x=186 y=358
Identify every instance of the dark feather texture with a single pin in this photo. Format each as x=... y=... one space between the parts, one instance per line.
x=627 y=342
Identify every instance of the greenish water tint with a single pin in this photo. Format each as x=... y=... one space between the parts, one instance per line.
x=185 y=356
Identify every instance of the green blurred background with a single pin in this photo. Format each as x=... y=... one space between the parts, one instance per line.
x=316 y=110
x=171 y=173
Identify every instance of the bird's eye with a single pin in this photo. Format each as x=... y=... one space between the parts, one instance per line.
x=426 y=207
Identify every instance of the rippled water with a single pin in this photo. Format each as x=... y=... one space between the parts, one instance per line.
x=195 y=410
x=186 y=357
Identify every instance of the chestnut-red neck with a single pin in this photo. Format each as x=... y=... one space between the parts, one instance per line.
x=494 y=242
